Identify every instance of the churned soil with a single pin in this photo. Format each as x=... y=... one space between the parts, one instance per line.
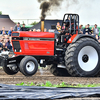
x=44 y=75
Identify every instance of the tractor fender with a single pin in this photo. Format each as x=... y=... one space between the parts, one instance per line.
x=83 y=36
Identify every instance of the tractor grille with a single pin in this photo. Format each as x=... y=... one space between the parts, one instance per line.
x=16 y=46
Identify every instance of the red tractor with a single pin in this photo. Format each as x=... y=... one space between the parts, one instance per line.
x=68 y=52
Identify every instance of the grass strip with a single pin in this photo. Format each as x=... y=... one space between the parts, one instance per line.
x=63 y=84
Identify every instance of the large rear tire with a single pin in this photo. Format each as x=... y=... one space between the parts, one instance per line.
x=56 y=71
x=82 y=58
x=28 y=66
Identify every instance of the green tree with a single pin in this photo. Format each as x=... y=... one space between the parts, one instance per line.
x=34 y=23
x=0 y=12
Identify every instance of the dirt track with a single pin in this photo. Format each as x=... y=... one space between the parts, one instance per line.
x=43 y=76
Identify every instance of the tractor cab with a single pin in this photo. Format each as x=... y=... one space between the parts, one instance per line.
x=70 y=24
x=70 y=27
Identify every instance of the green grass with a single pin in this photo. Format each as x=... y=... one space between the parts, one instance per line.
x=63 y=84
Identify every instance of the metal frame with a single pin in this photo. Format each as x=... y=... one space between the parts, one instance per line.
x=76 y=21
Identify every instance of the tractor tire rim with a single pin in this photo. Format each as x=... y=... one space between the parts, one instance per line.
x=88 y=58
x=30 y=66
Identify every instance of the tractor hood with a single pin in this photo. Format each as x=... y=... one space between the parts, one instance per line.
x=33 y=34
x=33 y=43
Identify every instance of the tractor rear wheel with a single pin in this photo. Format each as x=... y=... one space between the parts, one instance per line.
x=56 y=71
x=82 y=58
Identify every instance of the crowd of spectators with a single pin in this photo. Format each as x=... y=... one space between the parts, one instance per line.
x=89 y=31
x=5 y=37
x=5 y=40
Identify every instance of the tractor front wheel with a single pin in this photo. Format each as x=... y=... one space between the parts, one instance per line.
x=28 y=66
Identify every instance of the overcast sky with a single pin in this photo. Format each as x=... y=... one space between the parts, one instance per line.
x=88 y=10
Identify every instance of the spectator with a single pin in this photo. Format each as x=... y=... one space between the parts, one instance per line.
x=9 y=47
x=58 y=27
x=38 y=30
x=63 y=28
x=7 y=42
x=99 y=40
x=88 y=27
x=92 y=30
x=2 y=38
x=34 y=30
x=49 y=30
x=80 y=29
x=96 y=31
x=4 y=47
x=86 y=30
x=24 y=28
x=10 y=31
x=17 y=27
x=86 y=33
x=1 y=43
x=45 y=29
x=3 y=31
x=30 y=30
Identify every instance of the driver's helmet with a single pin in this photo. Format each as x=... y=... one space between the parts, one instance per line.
x=67 y=20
